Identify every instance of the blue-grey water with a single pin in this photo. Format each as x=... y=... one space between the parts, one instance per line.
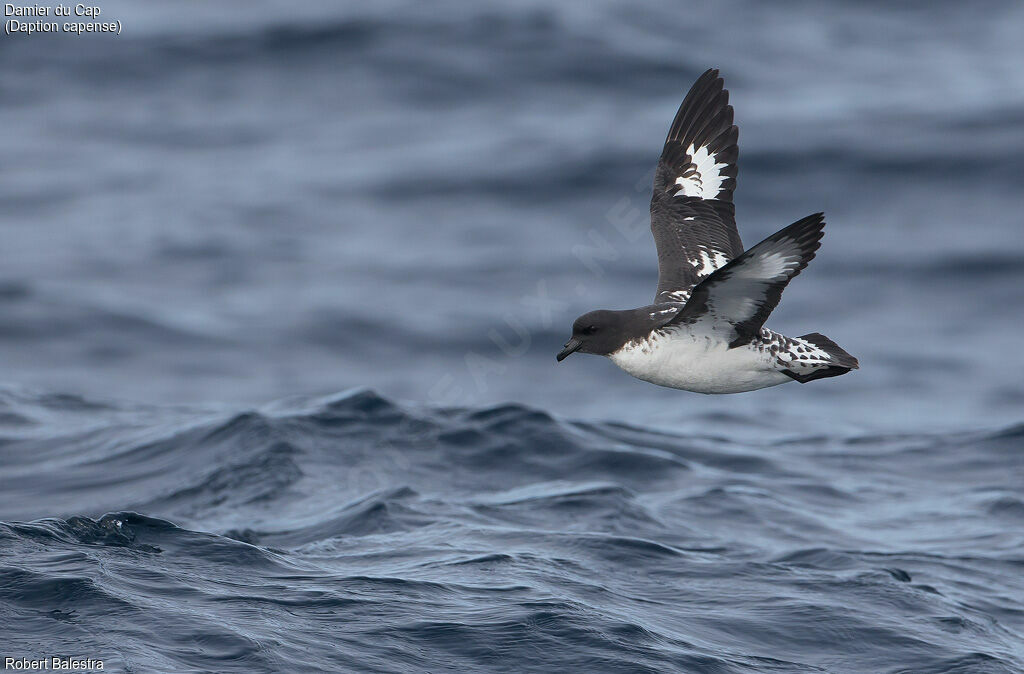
x=281 y=287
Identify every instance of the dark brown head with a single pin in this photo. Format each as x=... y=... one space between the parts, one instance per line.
x=601 y=332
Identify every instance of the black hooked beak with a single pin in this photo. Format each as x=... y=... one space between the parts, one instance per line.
x=570 y=346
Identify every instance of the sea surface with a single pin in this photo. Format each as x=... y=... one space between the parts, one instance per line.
x=281 y=286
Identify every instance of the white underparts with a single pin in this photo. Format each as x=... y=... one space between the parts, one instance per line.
x=678 y=358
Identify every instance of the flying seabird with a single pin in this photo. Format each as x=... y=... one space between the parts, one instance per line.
x=705 y=330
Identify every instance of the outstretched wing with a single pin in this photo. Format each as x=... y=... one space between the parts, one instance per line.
x=735 y=301
x=692 y=214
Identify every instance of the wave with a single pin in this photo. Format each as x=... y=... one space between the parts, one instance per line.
x=352 y=531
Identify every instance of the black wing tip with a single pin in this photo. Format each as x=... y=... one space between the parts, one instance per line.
x=806 y=231
x=707 y=100
x=812 y=220
x=708 y=76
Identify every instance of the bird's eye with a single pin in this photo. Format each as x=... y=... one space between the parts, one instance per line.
x=590 y=329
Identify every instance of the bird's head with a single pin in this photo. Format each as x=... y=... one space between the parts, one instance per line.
x=599 y=332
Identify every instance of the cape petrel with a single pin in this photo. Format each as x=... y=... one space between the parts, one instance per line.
x=705 y=331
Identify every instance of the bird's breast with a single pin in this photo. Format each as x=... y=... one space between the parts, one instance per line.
x=693 y=362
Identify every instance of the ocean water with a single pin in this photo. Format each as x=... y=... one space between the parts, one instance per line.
x=282 y=286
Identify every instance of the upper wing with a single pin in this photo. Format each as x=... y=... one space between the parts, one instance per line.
x=735 y=300
x=692 y=214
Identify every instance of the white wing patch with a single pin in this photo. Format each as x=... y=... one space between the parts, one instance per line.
x=739 y=297
x=735 y=307
x=709 y=261
x=770 y=266
x=679 y=296
x=703 y=178
x=660 y=313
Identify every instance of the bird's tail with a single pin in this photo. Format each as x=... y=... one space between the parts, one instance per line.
x=836 y=360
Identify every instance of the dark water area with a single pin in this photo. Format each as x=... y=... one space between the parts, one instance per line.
x=351 y=533
x=281 y=289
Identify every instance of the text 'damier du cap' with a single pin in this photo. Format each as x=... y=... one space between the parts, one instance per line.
x=76 y=19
